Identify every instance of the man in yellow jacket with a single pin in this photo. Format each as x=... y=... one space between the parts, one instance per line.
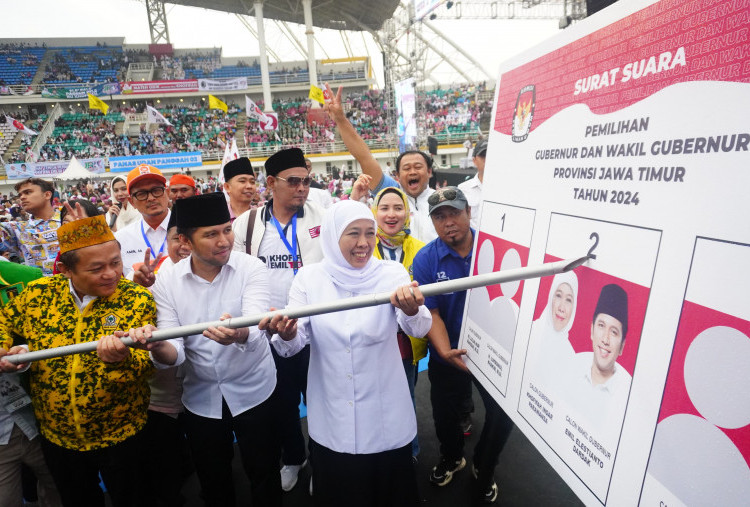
x=91 y=407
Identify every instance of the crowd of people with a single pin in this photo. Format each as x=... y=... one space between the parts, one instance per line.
x=454 y=111
x=140 y=254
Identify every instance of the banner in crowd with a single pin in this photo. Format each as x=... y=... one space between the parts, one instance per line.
x=625 y=138
x=136 y=87
x=237 y=83
x=161 y=161
x=23 y=170
x=80 y=92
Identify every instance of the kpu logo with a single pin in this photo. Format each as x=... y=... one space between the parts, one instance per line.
x=523 y=114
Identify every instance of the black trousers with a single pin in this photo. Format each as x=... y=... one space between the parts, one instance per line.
x=76 y=473
x=384 y=479
x=447 y=392
x=164 y=439
x=211 y=444
x=291 y=381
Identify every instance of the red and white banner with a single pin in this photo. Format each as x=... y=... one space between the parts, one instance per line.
x=136 y=87
x=624 y=138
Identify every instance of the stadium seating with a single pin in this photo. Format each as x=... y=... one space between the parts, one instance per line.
x=84 y=64
x=19 y=63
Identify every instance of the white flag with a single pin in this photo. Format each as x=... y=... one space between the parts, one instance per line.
x=230 y=153
x=330 y=135
x=306 y=134
x=252 y=110
x=155 y=116
x=17 y=125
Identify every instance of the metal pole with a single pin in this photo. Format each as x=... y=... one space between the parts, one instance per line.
x=264 y=79
x=433 y=289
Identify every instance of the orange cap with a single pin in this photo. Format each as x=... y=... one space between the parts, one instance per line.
x=142 y=172
x=182 y=179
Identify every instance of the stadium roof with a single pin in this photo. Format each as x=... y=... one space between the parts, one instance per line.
x=334 y=14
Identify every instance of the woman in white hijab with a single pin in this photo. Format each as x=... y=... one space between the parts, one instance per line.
x=360 y=416
x=121 y=213
x=550 y=348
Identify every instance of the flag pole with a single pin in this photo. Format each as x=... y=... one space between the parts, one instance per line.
x=433 y=289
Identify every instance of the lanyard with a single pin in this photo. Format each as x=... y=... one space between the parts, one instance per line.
x=293 y=247
x=392 y=252
x=154 y=255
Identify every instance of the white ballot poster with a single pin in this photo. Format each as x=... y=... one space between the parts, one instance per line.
x=704 y=421
x=625 y=138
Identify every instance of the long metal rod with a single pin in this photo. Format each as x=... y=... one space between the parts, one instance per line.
x=433 y=289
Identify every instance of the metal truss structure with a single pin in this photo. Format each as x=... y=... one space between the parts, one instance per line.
x=157 y=22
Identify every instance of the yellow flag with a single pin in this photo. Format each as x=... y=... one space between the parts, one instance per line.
x=214 y=103
x=316 y=94
x=97 y=103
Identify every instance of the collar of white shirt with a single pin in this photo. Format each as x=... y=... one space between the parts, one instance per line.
x=184 y=267
x=81 y=303
x=162 y=225
x=611 y=383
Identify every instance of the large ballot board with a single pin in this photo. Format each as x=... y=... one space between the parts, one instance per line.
x=625 y=138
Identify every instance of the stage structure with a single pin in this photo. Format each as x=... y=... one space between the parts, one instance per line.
x=411 y=45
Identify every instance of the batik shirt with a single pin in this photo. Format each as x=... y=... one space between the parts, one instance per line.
x=80 y=402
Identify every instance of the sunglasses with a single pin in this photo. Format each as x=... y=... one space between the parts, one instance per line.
x=295 y=181
x=442 y=195
x=142 y=195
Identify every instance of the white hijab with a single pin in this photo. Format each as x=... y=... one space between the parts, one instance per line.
x=336 y=219
x=546 y=318
x=550 y=350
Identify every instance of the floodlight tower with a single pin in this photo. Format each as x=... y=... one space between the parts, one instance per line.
x=157 y=22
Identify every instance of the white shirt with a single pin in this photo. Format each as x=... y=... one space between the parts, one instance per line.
x=419 y=215
x=321 y=197
x=602 y=404
x=243 y=374
x=279 y=262
x=472 y=189
x=80 y=303
x=358 y=398
x=132 y=245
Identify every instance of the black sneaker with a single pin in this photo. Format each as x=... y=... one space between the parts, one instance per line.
x=443 y=472
x=491 y=494
x=466 y=425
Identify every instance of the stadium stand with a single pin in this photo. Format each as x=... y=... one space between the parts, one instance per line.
x=19 y=63
x=83 y=64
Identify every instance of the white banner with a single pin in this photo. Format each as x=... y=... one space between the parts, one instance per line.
x=209 y=85
x=23 y=170
x=625 y=137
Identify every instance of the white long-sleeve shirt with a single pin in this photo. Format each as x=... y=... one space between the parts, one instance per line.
x=243 y=374
x=358 y=398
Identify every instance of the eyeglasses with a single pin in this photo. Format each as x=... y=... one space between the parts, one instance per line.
x=142 y=195
x=295 y=181
x=442 y=195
